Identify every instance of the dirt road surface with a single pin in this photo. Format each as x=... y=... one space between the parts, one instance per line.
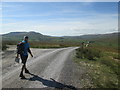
x=50 y=68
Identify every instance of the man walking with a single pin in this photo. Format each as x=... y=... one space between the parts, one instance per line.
x=23 y=49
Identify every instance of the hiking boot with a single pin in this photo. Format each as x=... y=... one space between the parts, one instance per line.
x=26 y=71
x=22 y=76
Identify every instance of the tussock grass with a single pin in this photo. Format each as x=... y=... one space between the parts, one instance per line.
x=36 y=44
x=102 y=66
x=4 y=47
x=91 y=54
x=49 y=45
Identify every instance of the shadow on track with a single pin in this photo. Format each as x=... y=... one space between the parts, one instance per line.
x=50 y=83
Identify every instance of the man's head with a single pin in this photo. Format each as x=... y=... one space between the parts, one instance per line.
x=26 y=38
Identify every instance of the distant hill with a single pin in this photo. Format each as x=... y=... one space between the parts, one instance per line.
x=35 y=36
x=95 y=36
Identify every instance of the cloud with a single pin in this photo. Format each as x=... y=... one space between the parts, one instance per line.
x=70 y=27
x=6 y=5
x=65 y=12
x=28 y=15
x=61 y=22
x=60 y=10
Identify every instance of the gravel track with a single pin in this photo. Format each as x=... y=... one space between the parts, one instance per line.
x=50 y=68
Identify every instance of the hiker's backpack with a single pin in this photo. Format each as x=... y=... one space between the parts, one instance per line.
x=20 y=48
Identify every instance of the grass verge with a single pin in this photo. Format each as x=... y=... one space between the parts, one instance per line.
x=102 y=66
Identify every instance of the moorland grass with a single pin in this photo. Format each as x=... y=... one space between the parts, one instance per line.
x=102 y=65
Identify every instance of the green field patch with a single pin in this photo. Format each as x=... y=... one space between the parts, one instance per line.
x=101 y=66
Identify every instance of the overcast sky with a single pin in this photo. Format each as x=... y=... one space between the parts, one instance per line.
x=60 y=18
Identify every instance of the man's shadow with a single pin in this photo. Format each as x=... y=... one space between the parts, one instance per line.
x=50 y=83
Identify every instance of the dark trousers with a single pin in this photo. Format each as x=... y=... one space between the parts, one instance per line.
x=24 y=59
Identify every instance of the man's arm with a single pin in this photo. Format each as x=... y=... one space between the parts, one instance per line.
x=30 y=52
x=17 y=53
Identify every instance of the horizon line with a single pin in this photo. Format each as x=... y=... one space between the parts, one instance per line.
x=61 y=35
